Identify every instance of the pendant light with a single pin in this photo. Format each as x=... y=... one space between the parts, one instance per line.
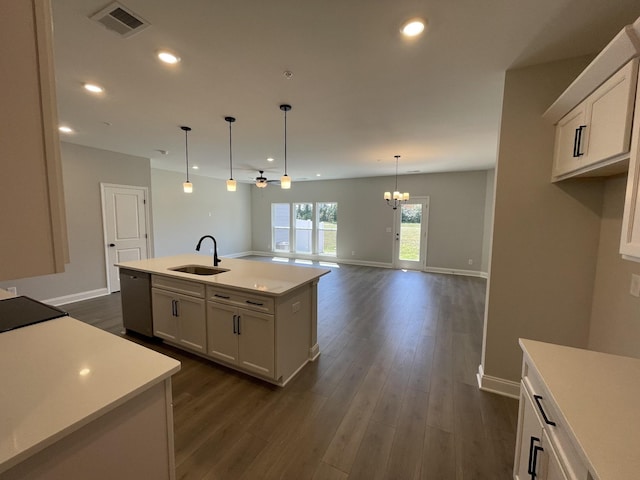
x=285 y=180
x=397 y=197
x=231 y=183
x=187 y=186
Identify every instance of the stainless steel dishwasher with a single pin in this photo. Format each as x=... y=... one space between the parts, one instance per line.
x=135 y=292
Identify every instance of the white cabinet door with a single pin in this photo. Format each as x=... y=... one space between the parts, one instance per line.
x=192 y=327
x=529 y=440
x=164 y=320
x=222 y=342
x=609 y=115
x=256 y=343
x=568 y=149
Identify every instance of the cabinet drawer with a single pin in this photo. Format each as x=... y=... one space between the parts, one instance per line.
x=258 y=303
x=179 y=286
x=554 y=425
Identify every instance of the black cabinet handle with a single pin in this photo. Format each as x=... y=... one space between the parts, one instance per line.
x=234 y=325
x=533 y=457
x=577 y=141
x=259 y=304
x=537 y=398
x=112 y=244
x=221 y=296
x=173 y=308
x=177 y=308
x=239 y=316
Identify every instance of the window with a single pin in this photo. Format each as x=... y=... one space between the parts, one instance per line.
x=327 y=228
x=304 y=227
x=315 y=228
x=280 y=221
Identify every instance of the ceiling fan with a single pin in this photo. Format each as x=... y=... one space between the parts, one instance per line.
x=262 y=182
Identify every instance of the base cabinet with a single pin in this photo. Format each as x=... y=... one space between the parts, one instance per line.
x=179 y=318
x=545 y=446
x=241 y=337
x=536 y=456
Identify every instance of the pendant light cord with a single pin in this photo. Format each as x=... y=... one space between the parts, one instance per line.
x=186 y=148
x=285 y=141
x=397 y=157
x=230 y=154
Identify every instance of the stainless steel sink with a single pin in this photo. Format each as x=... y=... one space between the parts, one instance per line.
x=199 y=269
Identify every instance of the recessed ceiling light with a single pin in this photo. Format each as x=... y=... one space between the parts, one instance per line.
x=93 y=88
x=269 y=159
x=168 y=57
x=318 y=174
x=413 y=27
x=195 y=167
x=65 y=129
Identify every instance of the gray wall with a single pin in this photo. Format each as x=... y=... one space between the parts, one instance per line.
x=545 y=236
x=180 y=219
x=456 y=217
x=615 y=316
x=84 y=169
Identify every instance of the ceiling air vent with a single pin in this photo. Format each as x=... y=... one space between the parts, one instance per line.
x=120 y=19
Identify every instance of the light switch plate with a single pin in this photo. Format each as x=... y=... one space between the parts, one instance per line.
x=635 y=285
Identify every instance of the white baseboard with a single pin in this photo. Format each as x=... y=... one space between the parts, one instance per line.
x=76 y=297
x=237 y=255
x=317 y=258
x=457 y=271
x=364 y=263
x=497 y=385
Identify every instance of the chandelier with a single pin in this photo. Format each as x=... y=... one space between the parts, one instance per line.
x=397 y=198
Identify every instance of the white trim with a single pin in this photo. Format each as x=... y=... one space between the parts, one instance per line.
x=497 y=385
x=457 y=271
x=76 y=297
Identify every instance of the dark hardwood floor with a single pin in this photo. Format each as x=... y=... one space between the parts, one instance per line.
x=393 y=394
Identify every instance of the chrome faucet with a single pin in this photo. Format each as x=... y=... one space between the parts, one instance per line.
x=216 y=260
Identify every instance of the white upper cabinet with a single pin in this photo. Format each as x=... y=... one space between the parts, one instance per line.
x=594 y=138
x=630 y=237
x=33 y=236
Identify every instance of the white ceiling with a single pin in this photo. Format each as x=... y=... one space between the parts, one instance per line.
x=360 y=92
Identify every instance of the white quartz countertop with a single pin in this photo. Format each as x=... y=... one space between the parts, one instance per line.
x=57 y=376
x=254 y=276
x=599 y=396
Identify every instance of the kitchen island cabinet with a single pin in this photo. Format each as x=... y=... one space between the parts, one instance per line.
x=241 y=338
x=78 y=402
x=261 y=318
x=179 y=312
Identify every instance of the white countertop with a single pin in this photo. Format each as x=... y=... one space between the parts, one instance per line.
x=599 y=396
x=59 y=375
x=254 y=276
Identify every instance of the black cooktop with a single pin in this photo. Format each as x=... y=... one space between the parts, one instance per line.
x=21 y=311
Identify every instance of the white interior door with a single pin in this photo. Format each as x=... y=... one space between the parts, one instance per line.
x=410 y=236
x=124 y=214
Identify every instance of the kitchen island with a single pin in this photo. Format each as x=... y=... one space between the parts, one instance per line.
x=78 y=402
x=256 y=317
